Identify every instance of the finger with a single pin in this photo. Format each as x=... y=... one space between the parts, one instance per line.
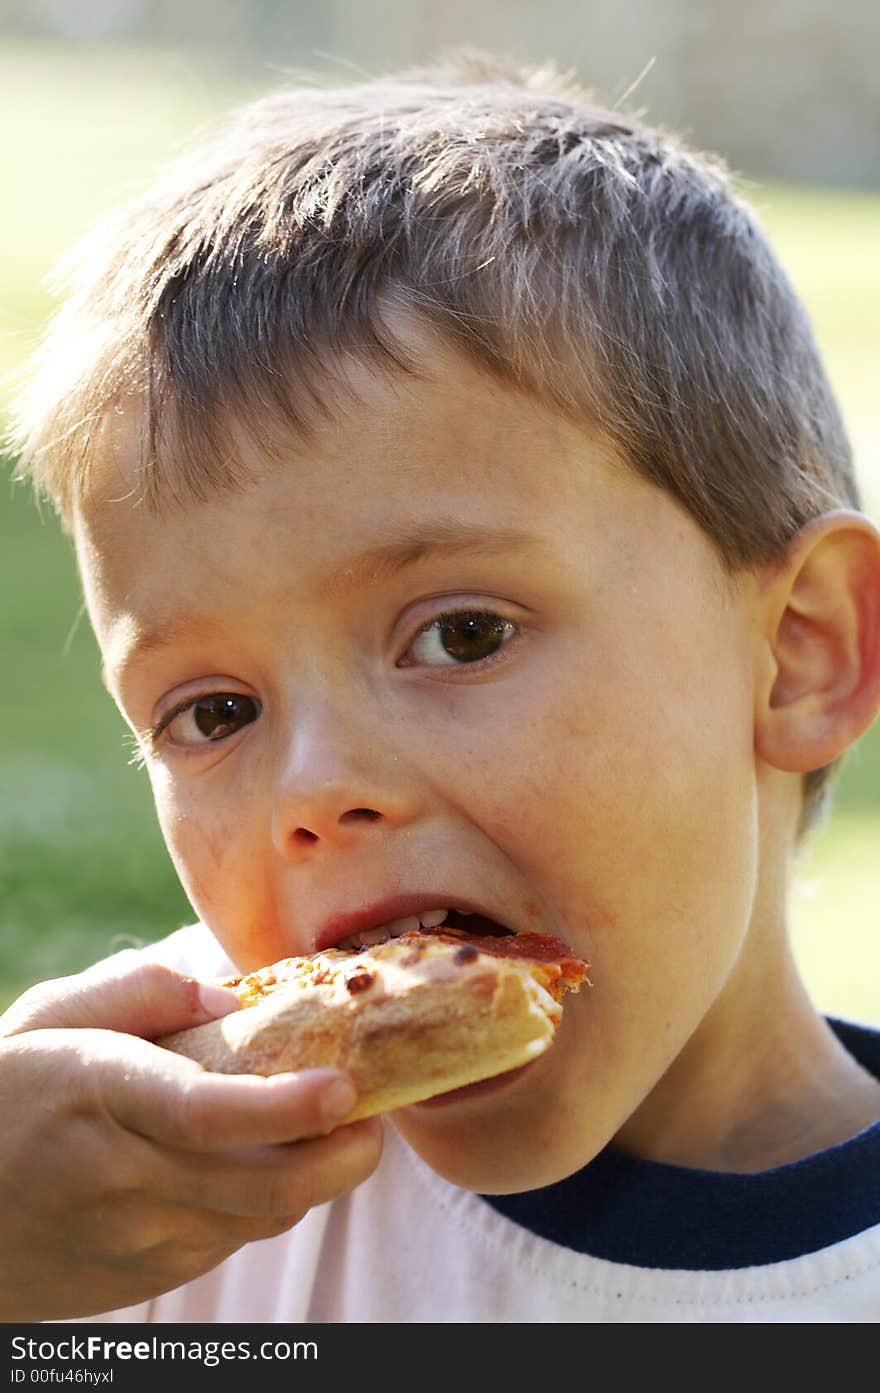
x=177 y=1240
x=126 y=994
x=275 y=1184
x=175 y=1102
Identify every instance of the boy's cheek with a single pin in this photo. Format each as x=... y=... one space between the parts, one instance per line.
x=218 y=868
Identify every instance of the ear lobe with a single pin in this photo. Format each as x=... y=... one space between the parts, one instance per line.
x=821 y=625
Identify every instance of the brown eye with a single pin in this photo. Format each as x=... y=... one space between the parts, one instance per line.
x=465 y=636
x=209 y=719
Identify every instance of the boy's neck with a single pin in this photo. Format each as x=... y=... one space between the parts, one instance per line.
x=763 y=1081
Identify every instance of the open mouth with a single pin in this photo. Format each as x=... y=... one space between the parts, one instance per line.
x=466 y=920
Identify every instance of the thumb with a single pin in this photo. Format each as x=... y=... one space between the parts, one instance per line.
x=125 y=993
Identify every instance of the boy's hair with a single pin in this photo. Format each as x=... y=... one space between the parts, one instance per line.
x=571 y=251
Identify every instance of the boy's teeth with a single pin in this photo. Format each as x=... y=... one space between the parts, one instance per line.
x=402 y=926
x=427 y=919
x=431 y=918
x=371 y=936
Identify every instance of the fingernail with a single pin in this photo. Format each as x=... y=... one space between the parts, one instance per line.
x=217 y=1001
x=337 y=1100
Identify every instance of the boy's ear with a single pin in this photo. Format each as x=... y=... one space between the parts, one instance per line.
x=819 y=688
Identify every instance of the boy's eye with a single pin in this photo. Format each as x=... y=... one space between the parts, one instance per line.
x=208 y=719
x=465 y=636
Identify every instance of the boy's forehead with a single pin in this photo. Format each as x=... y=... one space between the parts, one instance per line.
x=400 y=465
x=448 y=421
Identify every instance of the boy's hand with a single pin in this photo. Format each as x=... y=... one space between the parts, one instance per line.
x=126 y=1170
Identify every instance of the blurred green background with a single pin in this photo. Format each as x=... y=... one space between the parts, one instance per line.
x=82 y=866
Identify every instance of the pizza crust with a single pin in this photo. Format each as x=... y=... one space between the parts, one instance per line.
x=407 y=1019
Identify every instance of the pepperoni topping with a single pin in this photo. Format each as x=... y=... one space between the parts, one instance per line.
x=564 y=969
x=467 y=953
x=359 y=980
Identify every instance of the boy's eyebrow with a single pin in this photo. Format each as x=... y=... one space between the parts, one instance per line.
x=153 y=641
x=446 y=537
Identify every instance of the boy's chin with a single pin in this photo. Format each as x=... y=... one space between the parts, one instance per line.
x=483 y=1138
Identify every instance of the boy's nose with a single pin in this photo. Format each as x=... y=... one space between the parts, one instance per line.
x=335 y=784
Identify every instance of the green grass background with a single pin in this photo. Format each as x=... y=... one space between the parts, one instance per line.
x=82 y=866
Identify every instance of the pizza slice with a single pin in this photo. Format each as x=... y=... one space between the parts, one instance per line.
x=414 y=1016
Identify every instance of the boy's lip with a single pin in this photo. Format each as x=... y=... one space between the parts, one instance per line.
x=473 y=1092
x=380 y=912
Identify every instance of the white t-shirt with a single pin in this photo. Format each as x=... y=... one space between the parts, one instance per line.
x=406 y=1246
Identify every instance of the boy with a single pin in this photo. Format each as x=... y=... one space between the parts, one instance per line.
x=463 y=514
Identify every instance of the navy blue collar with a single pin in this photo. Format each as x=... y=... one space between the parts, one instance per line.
x=650 y=1215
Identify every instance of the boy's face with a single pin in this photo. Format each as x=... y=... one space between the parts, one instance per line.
x=578 y=761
